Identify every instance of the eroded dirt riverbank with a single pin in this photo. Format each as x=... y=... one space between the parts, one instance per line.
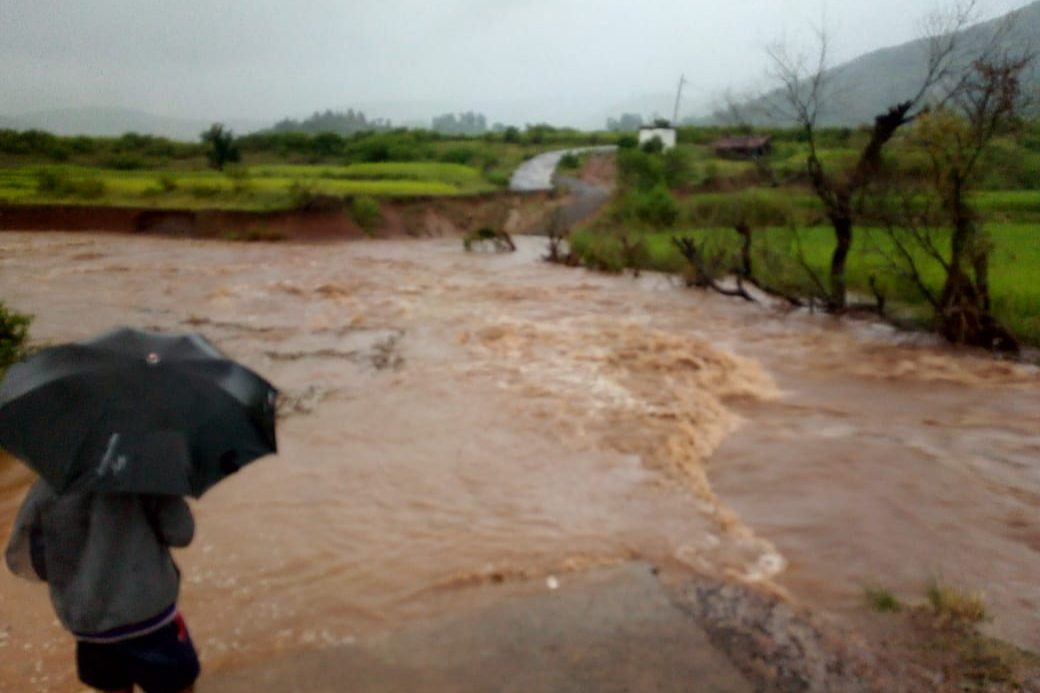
x=457 y=419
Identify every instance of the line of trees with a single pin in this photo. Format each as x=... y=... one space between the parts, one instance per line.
x=468 y=123
x=627 y=122
x=339 y=122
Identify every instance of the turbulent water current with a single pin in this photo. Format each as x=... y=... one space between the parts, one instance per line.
x=452 y=421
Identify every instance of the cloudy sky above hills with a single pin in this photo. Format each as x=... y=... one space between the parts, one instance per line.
x=518 y=61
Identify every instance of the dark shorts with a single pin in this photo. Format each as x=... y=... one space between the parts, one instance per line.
x=159 y=662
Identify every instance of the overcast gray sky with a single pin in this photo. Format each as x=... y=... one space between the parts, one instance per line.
x=516 y=60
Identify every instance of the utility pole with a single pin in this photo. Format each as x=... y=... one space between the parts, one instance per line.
x=678 y=95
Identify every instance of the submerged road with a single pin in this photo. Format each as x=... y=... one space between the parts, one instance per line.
x=614 y=630
x=536 y=174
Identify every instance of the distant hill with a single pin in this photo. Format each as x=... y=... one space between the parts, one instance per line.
x=112 y=122
x=864 y=87
x=339 y=122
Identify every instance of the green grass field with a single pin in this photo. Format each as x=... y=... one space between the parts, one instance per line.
x=1014 y=265
x=465 y=178
x=259 y=188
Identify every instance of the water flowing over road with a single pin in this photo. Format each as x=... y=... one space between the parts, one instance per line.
x=536 y=174
x=456 y=425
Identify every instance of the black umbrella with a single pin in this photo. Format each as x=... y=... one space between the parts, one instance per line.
x=132 y=411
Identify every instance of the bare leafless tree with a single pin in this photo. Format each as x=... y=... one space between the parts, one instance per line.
x=708 y=267
x=803 y=91
x=934 y=223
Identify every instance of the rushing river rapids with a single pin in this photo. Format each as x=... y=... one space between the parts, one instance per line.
x=454 y=419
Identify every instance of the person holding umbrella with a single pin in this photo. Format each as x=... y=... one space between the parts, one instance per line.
x=113 y=583
x=120 y=428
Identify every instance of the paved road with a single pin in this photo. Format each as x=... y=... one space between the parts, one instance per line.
x=606 y=631
x=536 y=174
x=586 y=199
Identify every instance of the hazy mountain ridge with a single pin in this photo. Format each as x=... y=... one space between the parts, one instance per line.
x=113 y=122
x=858 y=90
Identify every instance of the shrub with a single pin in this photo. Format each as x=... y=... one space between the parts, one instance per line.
x=239 y=177
x=89 y=188
x=883 y=600
x=51 y=181
x=627 y=142
x=653 y=146
x=599 y=252
x=487 y=237
x=489 y=162
x=570 y=160
x=301 y=194
x=60 y=152
x=957 y=607
x=14 y=332
x=59 y=183
x=499 y=178
x=366 y=213
x=710 y=173
x=458 y=155
x=325 y=145
x=656 y=207
x=166 y=183
x=637 y=169
x=387 y=146
x=677 y=168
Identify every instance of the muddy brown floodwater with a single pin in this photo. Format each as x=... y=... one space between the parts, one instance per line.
x=453 y=420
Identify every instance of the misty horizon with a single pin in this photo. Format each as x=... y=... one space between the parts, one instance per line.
x=521 y=61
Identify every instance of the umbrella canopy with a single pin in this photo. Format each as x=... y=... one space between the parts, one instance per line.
x=132 y=411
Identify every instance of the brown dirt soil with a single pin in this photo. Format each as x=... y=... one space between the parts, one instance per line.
x=426 y=217
x=600 y=169
x=787 y=648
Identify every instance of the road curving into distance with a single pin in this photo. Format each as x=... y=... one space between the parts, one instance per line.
x=536 y=174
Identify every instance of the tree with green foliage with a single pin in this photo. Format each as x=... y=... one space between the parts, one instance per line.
x=14 y=332
x=340 y=123
x=468 y=123
x=222 y=149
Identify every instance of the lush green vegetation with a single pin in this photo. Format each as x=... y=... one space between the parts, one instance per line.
x=267 y=188
x=264 y=171
x=1015 y=269
x=14 y=333
x=720 y=204
x=689 y=192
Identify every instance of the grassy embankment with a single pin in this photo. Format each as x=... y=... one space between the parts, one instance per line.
x=258 y=188
x=1015 y=264
x=943 y=632
x=276 y=171
x=704 y=197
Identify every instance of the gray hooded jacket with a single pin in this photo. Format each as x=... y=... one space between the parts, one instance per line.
x=105 y=557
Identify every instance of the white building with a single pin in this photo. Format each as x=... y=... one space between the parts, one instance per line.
x=666 y=135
